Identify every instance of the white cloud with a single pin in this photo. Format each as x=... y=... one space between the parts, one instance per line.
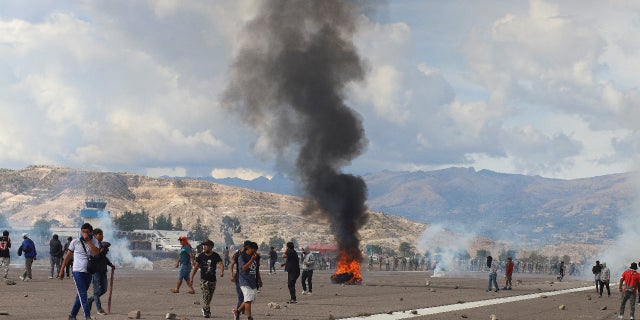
x=242 y=173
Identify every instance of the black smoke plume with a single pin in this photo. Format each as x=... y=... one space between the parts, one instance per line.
x=288 y=81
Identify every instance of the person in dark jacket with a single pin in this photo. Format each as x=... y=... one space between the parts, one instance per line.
x=99 y=280
x=29 y=250
x=292 y=266
x=55 y=251
x=5 y=254
x=273 y=257
x=67 y=269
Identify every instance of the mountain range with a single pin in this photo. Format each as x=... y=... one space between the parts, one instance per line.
x=512 y=207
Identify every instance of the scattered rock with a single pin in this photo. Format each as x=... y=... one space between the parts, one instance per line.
x=134 y=314
x=171 y=316
x=331 y=317
x=26 y=295
x=460 y=301
x=196 y=302
x=4 y=313
x=273 y=305
x=518 y=281
x=464 y=316
x=389 y=312
x=432 y=290
x=493 y=317
x=603 y=308
x=401 y=299
x=544 y=296
x=364 y=314
x=9 y=282
x=588 y=297
x=456 y=287
x=428 y=283
x=414 y=311
x=562 y=307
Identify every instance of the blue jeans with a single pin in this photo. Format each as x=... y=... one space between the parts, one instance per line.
x=99 y=287
x=492 y=280
x=83 y=281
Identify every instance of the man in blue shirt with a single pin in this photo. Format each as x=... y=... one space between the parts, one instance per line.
x=185 y=261
x=249 y=279
x=29 y=250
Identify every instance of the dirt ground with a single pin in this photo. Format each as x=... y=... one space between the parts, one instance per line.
x=380 y=292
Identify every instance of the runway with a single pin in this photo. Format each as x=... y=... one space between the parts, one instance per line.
x=466 y=305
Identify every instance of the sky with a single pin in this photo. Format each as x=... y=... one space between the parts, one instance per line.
x=545 y=88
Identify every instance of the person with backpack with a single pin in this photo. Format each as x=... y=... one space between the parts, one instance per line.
x=308 y=263
x=630 y=279
x=29 y=250
x=5 y=254
x=55 y=253
x=81 y=248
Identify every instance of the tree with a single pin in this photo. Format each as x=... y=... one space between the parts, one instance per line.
x=228 y=226
x=42 y=229
x=276 y=242
x=178 y=225
x=163 y=223
x=129 y=221
x=406 y=249
x=482 y=254
x=264 y=246
x=295 y=242
x=4 y=223
x=200 y=232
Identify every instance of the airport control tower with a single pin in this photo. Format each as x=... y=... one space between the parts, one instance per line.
x=94 y=212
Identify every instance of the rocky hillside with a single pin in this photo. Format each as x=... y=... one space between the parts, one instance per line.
x=58 y=193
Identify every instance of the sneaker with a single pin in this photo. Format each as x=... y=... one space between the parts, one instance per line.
x=304 y=292
x=21 y=278
x=619 y=316
x=309 y=292
x=497 y=290
x=72 y=317
x=292 y=302
x=102 y=312
x=50 y=277
x=236 y=314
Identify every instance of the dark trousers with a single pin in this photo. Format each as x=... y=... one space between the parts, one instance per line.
x=631 y=296
x=307 y=276
x=239 y=292
x=604 y=284
x=292 y=277
x=272 y=266
x=99 y=288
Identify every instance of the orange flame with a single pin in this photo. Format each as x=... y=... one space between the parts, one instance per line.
x=348 y=264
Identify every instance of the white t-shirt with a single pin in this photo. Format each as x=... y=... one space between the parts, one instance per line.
x=80 y=259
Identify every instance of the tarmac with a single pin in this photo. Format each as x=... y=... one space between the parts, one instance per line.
x=382 y=295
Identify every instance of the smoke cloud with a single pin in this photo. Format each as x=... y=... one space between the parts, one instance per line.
x=288 y=81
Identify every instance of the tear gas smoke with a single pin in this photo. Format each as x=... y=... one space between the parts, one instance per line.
x=445 y=247
x=119 y=252
x=288 y=82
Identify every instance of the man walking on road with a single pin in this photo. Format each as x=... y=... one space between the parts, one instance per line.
x=630 y=280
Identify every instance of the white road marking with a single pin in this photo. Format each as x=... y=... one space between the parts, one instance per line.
x=463 y=306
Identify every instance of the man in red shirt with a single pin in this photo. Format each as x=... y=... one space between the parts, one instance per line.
x=508 y=272
x=630 y=279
